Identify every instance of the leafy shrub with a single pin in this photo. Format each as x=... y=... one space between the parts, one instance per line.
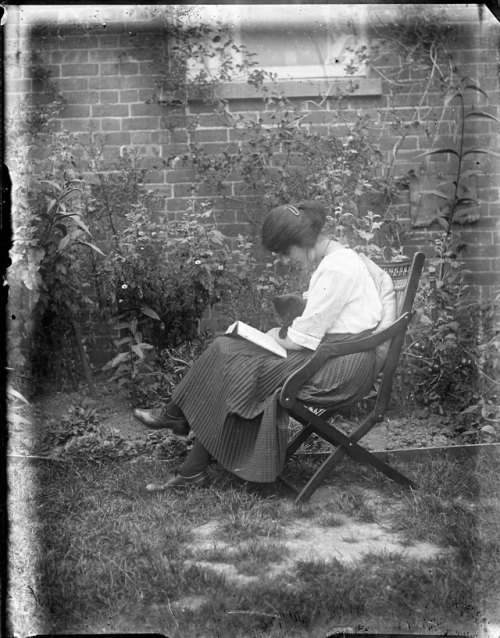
x=177 y=269
x=80 y=420
x=452 y=348
x=160 y=284
x=284 y=160
x=111 y=445
x=163 y=277
x=47 y=275
x=151 y=379
x=439 y=355
x=79 y=435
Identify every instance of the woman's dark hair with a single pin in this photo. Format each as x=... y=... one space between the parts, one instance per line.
x=293 y=224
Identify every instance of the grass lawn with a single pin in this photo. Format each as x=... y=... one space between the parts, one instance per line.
x=92 y=551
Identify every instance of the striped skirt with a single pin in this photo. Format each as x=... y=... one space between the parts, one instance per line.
x=230 y=399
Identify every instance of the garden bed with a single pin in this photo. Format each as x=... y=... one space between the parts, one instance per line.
x=112 y=413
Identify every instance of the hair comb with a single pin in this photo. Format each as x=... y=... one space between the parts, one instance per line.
x=295 y=211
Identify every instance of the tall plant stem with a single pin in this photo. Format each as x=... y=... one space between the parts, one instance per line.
x=459 y=169
x=457 y=180
x=108 y=211
x=105 y=196
x=83 y=356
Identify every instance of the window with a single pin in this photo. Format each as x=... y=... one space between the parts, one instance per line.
x=304 y=41
x=298 y=41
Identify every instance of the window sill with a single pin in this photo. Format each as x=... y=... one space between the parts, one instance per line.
x=359 y=87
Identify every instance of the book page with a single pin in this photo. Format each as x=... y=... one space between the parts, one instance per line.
x=242 y=329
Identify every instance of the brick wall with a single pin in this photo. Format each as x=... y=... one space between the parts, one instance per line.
x=105 y=73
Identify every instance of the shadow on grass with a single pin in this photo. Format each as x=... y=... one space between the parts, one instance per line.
x=105 y=548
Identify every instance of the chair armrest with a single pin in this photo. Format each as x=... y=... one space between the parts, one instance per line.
x=329 y=349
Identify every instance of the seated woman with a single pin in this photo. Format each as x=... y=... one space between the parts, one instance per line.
x=229 y=397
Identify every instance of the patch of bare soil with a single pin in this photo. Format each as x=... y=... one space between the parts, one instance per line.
x=348 y=541
x=402 y=432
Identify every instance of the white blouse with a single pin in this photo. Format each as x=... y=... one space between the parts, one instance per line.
x=341 y=298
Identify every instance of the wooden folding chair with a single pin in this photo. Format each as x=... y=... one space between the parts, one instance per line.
x=315 y=420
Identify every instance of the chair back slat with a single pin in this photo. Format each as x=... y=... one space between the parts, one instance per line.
x=401 y=273
x=410 y=276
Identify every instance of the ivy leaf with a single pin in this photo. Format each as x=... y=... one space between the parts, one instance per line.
x=63 y=243
x=29 y=280
x=436 y=193
x=93 y=246
x=138 y=351
x=470 y=409
x=121 y=342
x=450 y=181
x=17 y=419
x=365 y=234
x=466 y=201
x=482 y=114
x=50 y=203
x=82 y=225
x=53 y=184
x=149 y=312
x=216 y=236
x=438 y=151
x=18 y=395
x=489 y=429
x=486 y=151
x=474 y=87
x=467 y=216
x=123 y=356
x=60 y=267
x=450 y=98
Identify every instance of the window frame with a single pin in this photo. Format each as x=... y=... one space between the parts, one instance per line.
x=297 y=80
x=276 y=15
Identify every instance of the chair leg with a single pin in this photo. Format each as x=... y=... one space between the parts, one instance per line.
x=302 y=436
x=289 y=485
x=345 y=445
x=297 y=440
x=318 y=477
x=326 y=469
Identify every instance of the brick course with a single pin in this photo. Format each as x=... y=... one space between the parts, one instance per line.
x=110 y=124
x=110 y=110
x=108 y=97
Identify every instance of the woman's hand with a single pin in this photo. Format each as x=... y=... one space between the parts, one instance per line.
x=286 y=342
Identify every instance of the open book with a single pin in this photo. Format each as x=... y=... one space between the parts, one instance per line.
x=241 y=329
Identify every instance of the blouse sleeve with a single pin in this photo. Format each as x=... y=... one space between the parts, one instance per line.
x=327 y=295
